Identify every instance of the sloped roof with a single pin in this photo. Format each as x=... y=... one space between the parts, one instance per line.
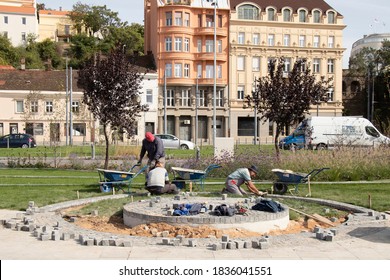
x=17 y=10
x=36 y=80
x=279 y=4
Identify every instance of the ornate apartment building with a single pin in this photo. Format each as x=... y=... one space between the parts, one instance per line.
x=181 y=36
x=261 y=30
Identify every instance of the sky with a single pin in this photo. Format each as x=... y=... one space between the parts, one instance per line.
x=362 y=17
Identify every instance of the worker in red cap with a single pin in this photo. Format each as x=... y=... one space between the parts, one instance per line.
x=155 y=149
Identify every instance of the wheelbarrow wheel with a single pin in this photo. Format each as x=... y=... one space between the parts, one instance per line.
x=105 y=188
x=280 y=188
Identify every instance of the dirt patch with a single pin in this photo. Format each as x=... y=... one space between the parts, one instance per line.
x=114 y=224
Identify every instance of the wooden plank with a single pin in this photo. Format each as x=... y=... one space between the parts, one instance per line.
x=387 y=212
x=321 y=220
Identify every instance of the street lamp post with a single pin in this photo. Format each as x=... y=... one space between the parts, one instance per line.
x=165 y=103
x=196 y=110
x=215 y=75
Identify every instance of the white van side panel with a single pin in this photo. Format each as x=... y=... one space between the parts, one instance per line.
x=332 y=131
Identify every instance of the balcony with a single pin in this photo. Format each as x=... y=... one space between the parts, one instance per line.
x=221 y=57
x=209 y=31
x=178 y=2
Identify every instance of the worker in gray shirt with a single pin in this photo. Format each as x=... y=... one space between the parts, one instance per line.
x=157 y=181
x=154 y=148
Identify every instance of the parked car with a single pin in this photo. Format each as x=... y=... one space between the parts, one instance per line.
x=17 y=140
x=172 y=142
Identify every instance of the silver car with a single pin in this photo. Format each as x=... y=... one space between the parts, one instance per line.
x=172 y=142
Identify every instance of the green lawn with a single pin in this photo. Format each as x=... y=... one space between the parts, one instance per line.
x=48 y=186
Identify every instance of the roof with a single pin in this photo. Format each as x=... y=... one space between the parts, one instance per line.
x=54 y=12
x=294 y=4
x=38 y=80
x=17 y=10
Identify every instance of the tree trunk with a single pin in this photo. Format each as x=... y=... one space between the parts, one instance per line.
x=277 y=134
x=107 y=146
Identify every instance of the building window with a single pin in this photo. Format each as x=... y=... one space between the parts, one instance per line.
x=316 y=16
x=256 y=39
x=331 y=94
x=5 y=19
x=187 y=19
x=168 y=44
x=271 y=14
x=209 y=46
x=168 y=18
x=287 y=65
x=331 y=18
x=248 y=12
x=201 y=98
x=24 y=21
x=330 y=65
x=199 y=73
x=186 y=44
x=302 y=16
x=75 y=106
x=178 y=18
x=219 y=46
x=49 y=107
x=79 y=129
x=149 y=96
x=286 y=15
x=34 y=128
x=220 y=21
x=178 y=70
x=219 y=71
x=270 y=128
x=316 y=65
x=5 y=34
x=302 y=41
x=219 y=99
x=186 y=70
x=19 y=106
x=199 y=46
x=331 y=42
x=34 y=106
x=240 y=92
x=240 y=63
x=316 y=41
x=178 y=44
x=168 y=70
x=209 y=71
x=24 y=37
x=209 y=21
x=271 y=40
x=185 y=98
x=286 y=40
x=241 y=38
x=170 y=98
x=255 y=63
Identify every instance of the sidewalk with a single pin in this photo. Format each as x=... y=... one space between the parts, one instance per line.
x=363 y=239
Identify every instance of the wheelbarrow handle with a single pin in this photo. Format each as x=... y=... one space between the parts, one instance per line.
x=316 y=171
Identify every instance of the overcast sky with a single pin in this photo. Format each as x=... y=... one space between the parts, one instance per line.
x=362 y=17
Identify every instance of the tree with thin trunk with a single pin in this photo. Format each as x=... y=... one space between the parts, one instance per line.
x=284 y=97
x=111 y=88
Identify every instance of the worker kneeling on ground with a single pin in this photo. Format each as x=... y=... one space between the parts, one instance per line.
x=157 y=181
x=240 y=176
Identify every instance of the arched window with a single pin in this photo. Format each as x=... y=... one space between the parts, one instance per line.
x=317 y=16
x=286 y=15
x=331 y=18
x=271 y=14
x=302 y=16
x=248 y=12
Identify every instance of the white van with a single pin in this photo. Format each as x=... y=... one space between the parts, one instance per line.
x=327 y=132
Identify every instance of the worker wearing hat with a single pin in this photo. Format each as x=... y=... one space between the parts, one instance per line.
x=240 y=176
x=154 y=148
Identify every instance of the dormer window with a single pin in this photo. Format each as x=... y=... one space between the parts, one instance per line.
x=271 y=14
x=316 y=16
x=302 y=16
x=331 y=18
x=249 y=12
x=286 y=15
